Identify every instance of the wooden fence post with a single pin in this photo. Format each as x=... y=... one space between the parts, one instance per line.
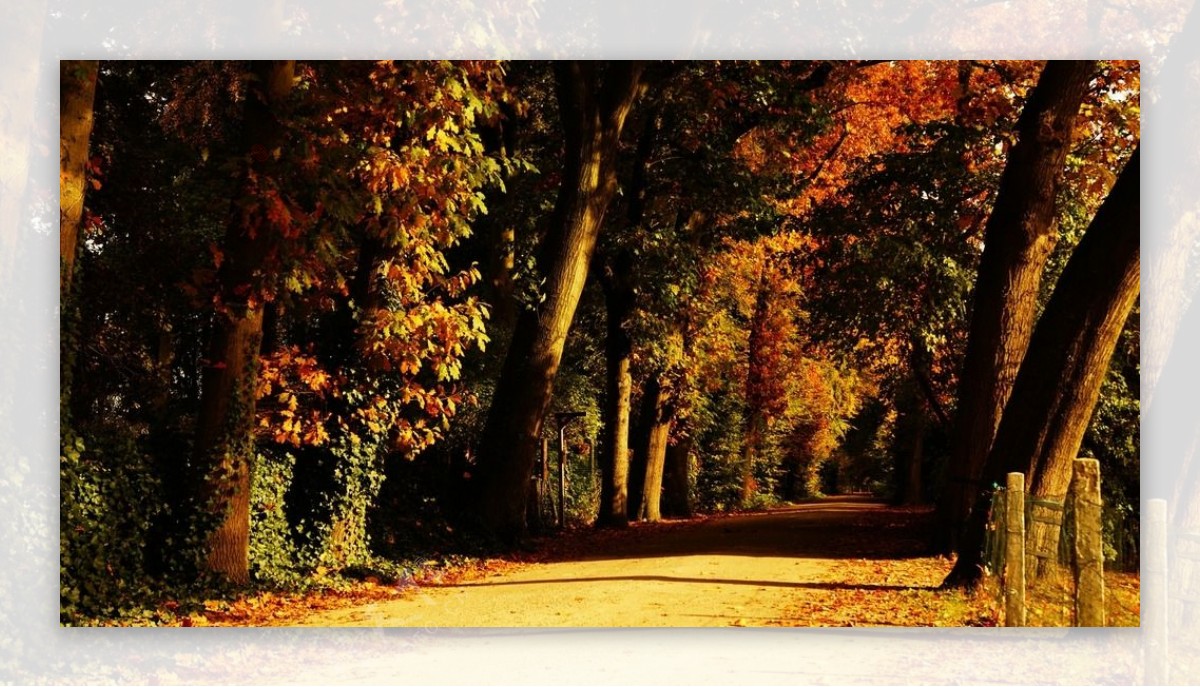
x=1089 y=544
x=1014 y=551
x=1154 y=594
x=562 y=474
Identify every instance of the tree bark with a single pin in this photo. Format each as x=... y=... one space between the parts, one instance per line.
x=659 y=418
x=77 y=95
x=224 y=446
x=617 y=279
x=1059 y=382
x=618 y=348
x=594 y=100
x=1019 y=237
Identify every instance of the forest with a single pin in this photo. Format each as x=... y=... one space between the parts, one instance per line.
x=323 y=322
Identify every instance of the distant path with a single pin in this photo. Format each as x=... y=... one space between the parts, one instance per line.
x=734 y=570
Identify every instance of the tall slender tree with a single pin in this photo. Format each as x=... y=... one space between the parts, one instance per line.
x=617 y=277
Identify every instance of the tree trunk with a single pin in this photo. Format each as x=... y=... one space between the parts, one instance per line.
x=1111 y=268
x=224 y=446
x=1059 y=382
x=1019 y=237
x=618 y=347
x=224 y=443
x=658 y=430
x=620 y=300
x=594 y=100
x=77 y=95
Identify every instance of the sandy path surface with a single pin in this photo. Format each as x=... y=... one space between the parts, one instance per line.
x=734 y=570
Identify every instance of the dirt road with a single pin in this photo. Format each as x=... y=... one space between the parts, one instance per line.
x=751 y=570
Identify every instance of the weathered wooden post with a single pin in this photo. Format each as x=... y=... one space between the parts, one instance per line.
x=1089 y=544
x=1154 y=594
x=562 y=474
x=563 y=420
x=1014 y=551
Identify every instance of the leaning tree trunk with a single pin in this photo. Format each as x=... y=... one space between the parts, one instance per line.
x=1019 y=237
x=77 y=94
x=1059 y=382
x=224 y=445
x=1112 y=268
x=593 y=108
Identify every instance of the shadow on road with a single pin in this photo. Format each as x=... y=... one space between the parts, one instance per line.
x=838 y=527
x=695 y=580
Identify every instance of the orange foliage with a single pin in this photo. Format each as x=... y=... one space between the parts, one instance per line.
x=388 y=161
x=870 y=109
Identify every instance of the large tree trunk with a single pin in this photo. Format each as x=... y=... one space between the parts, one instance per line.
x=1059 y=383
x=1019 y=237
x=659 y=418
x=77 y=95
x=594 y=100
x=224 y=446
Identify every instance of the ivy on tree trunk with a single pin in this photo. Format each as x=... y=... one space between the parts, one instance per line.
x=224 y=446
